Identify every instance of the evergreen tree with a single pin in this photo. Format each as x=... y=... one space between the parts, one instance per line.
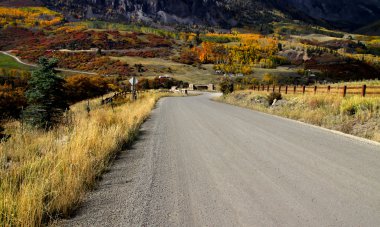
x=227 y=86
x=198 y=39
x=46 y=96
x=145 y=85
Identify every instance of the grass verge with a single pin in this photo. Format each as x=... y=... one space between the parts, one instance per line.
x=352 y=115
x=7 y=62
x=44 y=175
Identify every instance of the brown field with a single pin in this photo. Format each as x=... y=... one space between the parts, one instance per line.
x=158 y=67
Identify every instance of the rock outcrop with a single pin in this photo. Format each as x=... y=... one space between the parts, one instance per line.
x=225 y=13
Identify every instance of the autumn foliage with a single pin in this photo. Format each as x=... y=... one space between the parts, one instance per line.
x=12 y=88
x=80 y=87
x=30 y=45
x=11 y=101
x=13 y=84
x=29 y=17
x=251 y=51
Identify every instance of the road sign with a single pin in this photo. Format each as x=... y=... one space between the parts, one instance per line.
x=133 y=81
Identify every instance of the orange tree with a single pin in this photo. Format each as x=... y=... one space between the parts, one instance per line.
x=80 y=87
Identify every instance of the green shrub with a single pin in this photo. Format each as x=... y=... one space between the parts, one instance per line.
x=3 y=137
x=354 y=105
x=226 y=86
x=272 y=96
x=46 y=96
x=218 y=39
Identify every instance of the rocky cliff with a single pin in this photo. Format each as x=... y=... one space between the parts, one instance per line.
x=211 y=12
x=342 y=13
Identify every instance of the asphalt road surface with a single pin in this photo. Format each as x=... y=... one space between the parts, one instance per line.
x=203 y=163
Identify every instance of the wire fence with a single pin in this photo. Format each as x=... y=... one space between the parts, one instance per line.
x=344 y=90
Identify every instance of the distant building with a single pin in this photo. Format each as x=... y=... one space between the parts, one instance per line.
x=208 y=87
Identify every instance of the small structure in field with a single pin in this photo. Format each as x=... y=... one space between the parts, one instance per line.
x=208 y=87
x=165 y=77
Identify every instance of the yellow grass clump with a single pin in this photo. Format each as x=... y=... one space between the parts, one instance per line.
x=354 y=115
x=29 y=16
x=44 y=175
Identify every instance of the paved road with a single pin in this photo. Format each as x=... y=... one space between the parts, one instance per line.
x=203 y=163
x=58 y=69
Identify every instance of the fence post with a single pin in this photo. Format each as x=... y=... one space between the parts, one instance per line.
x=254 y=87
x=263 y=88
x=295 y=89
x=315 y=90
x=303 y=89
x=328 y=89
x=88 y=108
x=344 y=91
x=268 y=88
x=286 y=89
x=279 y=89
x=364 y=88
x=22 y=120
x=274 y=87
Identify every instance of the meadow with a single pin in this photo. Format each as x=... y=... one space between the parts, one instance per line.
x=160 y=67
x=7 y=62
x=45 y=174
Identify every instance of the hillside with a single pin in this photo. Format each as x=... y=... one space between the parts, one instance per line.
x=216 y=13
x=339 y=13
x=20 y=3
x=371 y=29
x=224 y=13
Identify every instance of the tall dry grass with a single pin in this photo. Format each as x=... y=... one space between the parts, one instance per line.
x=353 y=115
x=44 y=175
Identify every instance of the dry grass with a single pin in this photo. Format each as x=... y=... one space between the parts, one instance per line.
x=44 y=175
x=158 y=67
x=375 y=82
x=353 y=115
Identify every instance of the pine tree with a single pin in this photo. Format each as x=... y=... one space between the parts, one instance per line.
x=227 y=86
x=46 y=96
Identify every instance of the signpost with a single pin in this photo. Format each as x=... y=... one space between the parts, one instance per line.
x=133 y=81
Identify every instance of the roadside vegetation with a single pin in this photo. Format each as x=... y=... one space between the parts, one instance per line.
x=51 y=153
x=352 y=115
x=44 y=174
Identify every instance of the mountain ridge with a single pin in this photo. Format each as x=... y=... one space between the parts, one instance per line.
x=224 y=13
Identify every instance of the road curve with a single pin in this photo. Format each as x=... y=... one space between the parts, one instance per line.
x=203 y=163
x=34 y=65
